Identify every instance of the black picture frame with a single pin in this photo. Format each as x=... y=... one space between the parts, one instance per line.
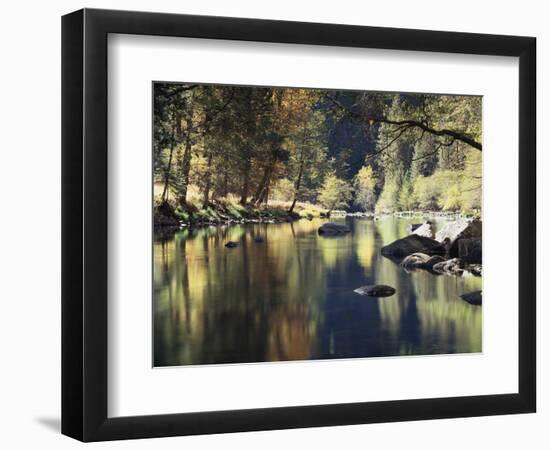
x=84 y=224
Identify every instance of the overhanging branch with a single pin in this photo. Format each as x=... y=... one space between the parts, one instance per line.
x=408 y=124
x=415 y=124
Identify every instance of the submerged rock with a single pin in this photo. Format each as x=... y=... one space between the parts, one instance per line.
x=415 y=260
x=413 y=244
x=333 y=229
x=475 y=270
x=258 y=239
x=453 y=266
x=421 y=261
x=422 y=229
x=375 y=290
x=435 y=259
x=232 y=244
x=473 y=298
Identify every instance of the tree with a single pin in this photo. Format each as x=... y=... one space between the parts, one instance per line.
x=427 y=193
x=405 y=199
x=335 y=193
x=364 y=184
x=446 y=118
x=284 y=190
x=451 y=199
x=217 y=144
x=389 y=197
x=170 y=103
x=471 y=186
x=305 y=139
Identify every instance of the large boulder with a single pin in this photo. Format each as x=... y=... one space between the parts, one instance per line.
x=413 y=244
x=459 y=229
x=423 y=229
x=375 y=290
x=469 y=249
x=333 y=229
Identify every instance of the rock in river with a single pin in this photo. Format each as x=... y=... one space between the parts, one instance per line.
x=334 y=229
x=422 y=229
x=453 y=266
x=475 y=269
x=258 y=239
x=421 y=261
x=457 y=230
x=413 y=244
x=232 y=244
x=415 y=260
x=375 y=290
x=469 y=249
x=473 y=298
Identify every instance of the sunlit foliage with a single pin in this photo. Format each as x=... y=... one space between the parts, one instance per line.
x=365 y=151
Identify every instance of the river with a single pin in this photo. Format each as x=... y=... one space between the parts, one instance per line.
x=291 y=297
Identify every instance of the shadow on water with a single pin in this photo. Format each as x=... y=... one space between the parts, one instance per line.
x=290 y=297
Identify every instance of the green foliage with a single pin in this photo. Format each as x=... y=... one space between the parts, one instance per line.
x=426 y=193
x=308 y=211
x=447 y=190
x=181 y=214
x=235 y=210
x=389 y=198
x=405 y=200
x=364 y=184
x=237 y=151
x=335 y=193
x=283 y=190
x=451 y=198
x=471 y=183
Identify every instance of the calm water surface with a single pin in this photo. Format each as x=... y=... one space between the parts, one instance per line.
x=291 y=297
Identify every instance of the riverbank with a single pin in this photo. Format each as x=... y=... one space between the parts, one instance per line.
x=228 y=213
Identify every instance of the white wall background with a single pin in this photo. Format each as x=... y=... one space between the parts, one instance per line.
x=30 y=200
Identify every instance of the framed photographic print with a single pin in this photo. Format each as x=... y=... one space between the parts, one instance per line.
x=273 y=224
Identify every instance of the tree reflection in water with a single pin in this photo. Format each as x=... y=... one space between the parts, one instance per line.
x=291 y=297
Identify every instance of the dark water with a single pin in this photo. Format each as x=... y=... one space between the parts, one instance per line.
x=291 y=297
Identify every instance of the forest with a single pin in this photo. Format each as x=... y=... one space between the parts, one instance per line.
x=223 y=153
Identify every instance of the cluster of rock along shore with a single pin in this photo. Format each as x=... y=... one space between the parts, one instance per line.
x=454 y=250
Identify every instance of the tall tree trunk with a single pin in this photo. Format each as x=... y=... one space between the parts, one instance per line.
x=265 y=188
x=186 y=164
x=225 y=185
x=208 y=180
x=260 y=192
x=297 y=185
x=248 y=151
x=245 y=186
x=164 y=196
